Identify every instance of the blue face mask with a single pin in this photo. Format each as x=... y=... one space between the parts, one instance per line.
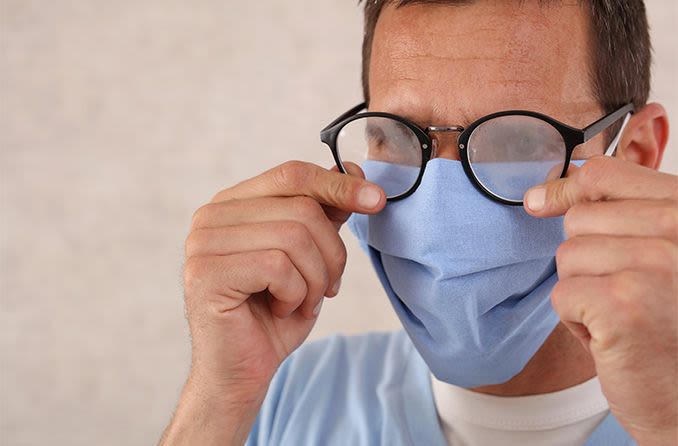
x=470 y=279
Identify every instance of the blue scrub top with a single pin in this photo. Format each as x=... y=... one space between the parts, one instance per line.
x=373 y=389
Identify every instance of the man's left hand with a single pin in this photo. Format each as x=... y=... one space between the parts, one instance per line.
x=618 y=288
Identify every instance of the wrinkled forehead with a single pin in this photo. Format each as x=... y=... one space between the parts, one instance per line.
x=453 y=64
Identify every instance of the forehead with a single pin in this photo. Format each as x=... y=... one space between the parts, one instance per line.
x=443 y=63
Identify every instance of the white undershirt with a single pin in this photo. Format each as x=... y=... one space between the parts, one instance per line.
x=566 y=418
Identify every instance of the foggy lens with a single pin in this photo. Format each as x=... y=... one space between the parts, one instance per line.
x=388 y=152
x=510 y=154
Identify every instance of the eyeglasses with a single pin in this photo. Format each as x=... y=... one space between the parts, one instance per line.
x=503 y=154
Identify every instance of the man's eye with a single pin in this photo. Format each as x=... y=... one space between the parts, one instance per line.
x=374 y=135
x=377 y=140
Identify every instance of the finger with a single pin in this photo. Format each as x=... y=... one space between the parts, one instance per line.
x=638 y=218
x=600 y=178
x=290 y=237
x=613 y=306
x=225 y=282
x=580 y=332
x=568 y=299
x=587 y=307
x=598 y=255
x=346 y=192
x=303 y=210
x=337 y=216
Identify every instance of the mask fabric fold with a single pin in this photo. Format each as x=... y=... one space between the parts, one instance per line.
x=470 y=279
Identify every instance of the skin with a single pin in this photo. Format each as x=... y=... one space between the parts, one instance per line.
x=263 y=253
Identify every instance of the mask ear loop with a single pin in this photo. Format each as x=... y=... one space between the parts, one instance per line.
x=613 y=145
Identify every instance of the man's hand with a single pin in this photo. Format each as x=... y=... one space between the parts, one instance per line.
x=259 y=259
x=618 y=288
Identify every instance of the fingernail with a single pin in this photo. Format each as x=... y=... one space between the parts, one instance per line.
x=368 y=197
x=536 y=198
x=336 y=286
x=316 y=310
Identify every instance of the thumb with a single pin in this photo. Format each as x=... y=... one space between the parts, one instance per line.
x=337 y=216
x=553 y=198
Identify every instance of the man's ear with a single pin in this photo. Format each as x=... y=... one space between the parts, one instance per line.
x=645 y=137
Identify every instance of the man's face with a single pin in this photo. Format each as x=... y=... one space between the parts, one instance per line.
x=450 y=65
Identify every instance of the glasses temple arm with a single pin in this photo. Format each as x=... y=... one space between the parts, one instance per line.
x=606 y=121
x=351 y=112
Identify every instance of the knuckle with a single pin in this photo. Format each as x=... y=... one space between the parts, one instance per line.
x=629 y=314
x=619 y=298
x=321 y=283
x=222 y=195
x=621 y=287
x=561 y=295
x=299 y=290
x=341 y=187
x=306 y=207
x=560 y=192
x=591 y=173
x=565 y=251
x=597 y=163
x=194 y=241
x=277 y=263
x=296 y=234
x=557 y=294
x=572 y=219
x=202 y=216
x=317 y=282
x=295 y=295
x=292 y=174
x=194 y=270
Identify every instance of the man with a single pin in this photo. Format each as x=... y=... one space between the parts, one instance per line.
x=516 y=358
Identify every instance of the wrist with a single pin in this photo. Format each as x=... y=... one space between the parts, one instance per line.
x=228 y=390
x=211 y=413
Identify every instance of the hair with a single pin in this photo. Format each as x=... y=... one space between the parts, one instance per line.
x=620 y=46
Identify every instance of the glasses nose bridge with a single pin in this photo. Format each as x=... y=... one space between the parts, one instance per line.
x=444 y=130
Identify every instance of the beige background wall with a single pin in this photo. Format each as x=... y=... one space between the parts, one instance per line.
x=119 y=118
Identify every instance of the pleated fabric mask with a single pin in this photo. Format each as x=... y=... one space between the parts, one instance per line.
x=470 y=279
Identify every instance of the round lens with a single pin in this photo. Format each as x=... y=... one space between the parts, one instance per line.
x=388 y=152
x=510 y=154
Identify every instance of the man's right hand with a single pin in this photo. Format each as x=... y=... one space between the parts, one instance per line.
x=259 y=259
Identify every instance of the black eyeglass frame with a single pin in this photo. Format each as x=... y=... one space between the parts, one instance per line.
x=572 y=137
